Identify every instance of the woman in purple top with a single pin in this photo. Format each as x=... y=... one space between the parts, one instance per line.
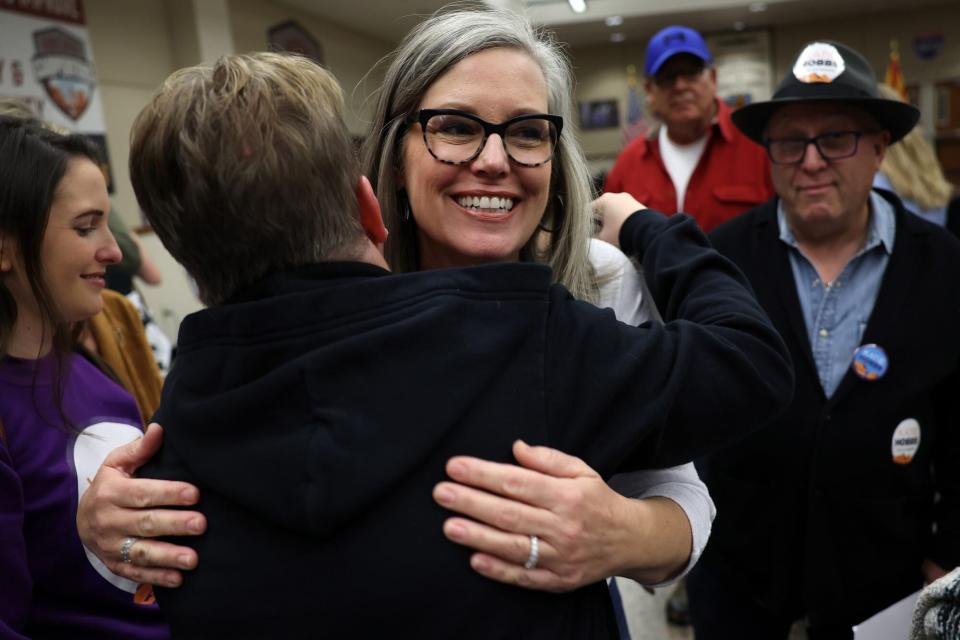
x=60 y=414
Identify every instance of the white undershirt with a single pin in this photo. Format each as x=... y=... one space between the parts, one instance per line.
x=680 y=160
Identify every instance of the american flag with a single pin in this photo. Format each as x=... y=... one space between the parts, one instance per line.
x=636 y=125
x=894 y=75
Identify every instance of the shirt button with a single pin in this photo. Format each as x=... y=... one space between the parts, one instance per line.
x=824 y=333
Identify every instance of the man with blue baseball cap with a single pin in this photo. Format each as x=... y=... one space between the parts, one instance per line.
x=697 y=162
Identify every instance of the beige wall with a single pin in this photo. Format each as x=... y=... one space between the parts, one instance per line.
x=136 y=45
x=601 y=71
x=133 y=53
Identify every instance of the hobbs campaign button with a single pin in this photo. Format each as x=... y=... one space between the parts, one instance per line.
x=906 y=441
x=870 y=362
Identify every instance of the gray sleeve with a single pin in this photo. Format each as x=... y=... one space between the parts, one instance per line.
x=683 y=485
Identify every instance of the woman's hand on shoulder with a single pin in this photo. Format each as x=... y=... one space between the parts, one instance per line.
x=117 y=506
x=585 y=530
x=611 y=210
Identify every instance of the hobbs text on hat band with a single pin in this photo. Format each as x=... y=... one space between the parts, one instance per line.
x=833 y=145
x=830 y=73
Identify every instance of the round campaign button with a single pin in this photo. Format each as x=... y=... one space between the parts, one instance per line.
x=906 y=441
x=870 y=362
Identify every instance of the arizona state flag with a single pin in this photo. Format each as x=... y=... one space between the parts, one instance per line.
x=894 y=75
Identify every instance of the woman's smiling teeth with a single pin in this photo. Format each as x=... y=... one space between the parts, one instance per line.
x=485 y=203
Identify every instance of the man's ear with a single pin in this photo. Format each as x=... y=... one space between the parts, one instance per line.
x=370 y=217
x=648 y=87
x=881 y=143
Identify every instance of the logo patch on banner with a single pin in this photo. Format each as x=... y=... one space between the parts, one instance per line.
x=61 y=66
x=819 y=62
x=906 y=441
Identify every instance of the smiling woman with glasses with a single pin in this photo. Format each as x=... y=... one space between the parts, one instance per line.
x=456 y=137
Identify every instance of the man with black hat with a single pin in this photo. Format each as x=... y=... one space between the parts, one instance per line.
x=697 y=162
x=851 y=499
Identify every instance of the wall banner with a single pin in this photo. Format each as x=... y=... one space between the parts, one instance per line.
x=46 y=61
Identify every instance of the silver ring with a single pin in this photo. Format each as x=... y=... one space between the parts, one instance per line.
x=531 y=562
x=125 y=549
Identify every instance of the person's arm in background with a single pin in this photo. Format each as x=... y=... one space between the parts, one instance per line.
x=135 y=261
x=130 y=262
x=117 y=506
x=149 y=272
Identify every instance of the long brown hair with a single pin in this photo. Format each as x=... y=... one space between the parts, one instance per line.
x=35 y=161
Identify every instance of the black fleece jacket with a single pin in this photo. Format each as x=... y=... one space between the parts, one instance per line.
x=317 y=410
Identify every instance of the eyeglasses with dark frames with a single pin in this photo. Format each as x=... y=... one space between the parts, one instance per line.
x=457 y=137
x=690 y=70
x=833 y=145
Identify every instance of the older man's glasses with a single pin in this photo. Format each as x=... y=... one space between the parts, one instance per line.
x=456 y=137
x=834 y=145
x=690 y=69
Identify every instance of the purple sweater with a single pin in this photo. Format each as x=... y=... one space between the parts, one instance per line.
x=50 y=586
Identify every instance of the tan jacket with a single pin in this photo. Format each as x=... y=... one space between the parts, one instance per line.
x=122 y=344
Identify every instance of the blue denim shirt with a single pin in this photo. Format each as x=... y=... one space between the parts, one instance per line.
x=836 y=314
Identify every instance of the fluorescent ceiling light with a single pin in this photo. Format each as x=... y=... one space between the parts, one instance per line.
x=578 y=6
x=739 y=25
x=613 y=21
x=618 y=37
x=757 y=7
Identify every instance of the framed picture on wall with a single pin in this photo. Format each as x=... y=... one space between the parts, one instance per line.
x=599 y=114
x=292 y=37
x=744 y=66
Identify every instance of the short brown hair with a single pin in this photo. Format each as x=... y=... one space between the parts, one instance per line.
x=246 y=167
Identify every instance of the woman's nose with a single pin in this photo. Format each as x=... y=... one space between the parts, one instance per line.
x=109 y=252
x=493 y=159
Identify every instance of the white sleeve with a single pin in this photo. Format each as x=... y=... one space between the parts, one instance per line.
x=624 y=290
x=622 y=286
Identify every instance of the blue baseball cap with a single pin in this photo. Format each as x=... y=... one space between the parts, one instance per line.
x=670 y=41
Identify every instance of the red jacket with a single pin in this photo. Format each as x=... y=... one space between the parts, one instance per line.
x=733 y=175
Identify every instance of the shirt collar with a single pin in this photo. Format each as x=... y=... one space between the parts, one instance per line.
x=721 y=121
x=724 y=122
x=880 y=230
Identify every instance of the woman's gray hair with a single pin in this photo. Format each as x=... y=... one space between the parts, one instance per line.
x=424 y=55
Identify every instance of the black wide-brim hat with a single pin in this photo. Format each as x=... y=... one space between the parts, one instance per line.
x=830 y=72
